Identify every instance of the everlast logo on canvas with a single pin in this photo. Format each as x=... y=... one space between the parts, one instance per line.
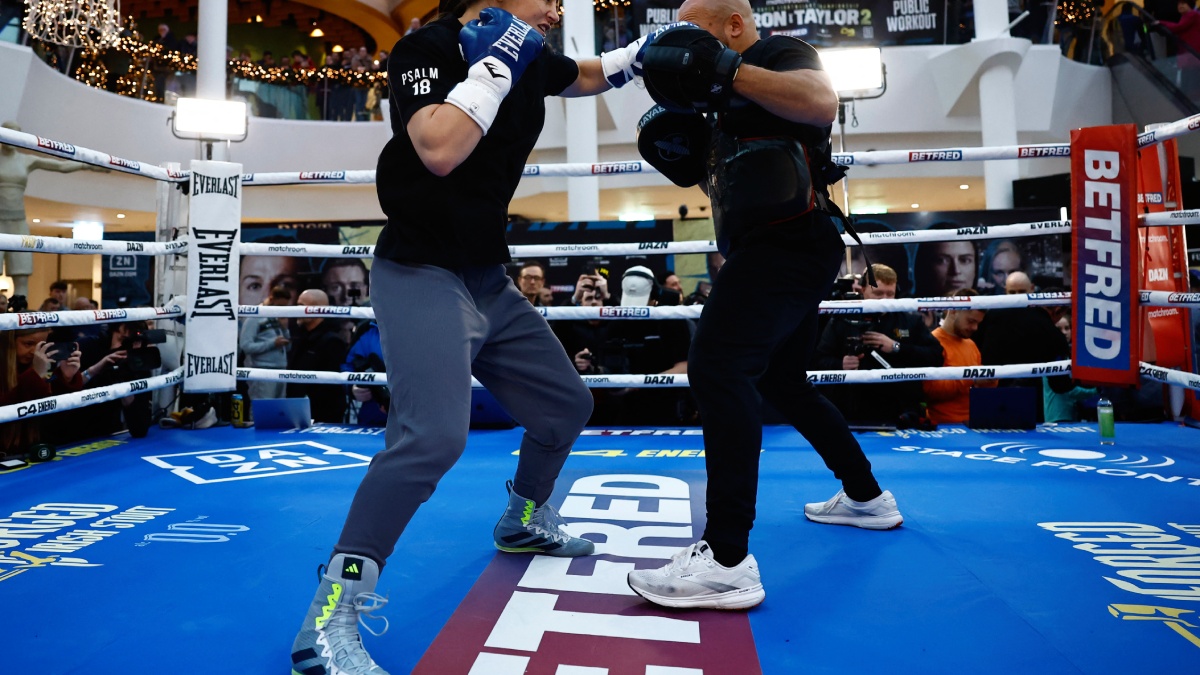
x=209 y=185
x=212 y=292
x=202 y=365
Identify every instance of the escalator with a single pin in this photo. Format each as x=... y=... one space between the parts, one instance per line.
x=1155 y=75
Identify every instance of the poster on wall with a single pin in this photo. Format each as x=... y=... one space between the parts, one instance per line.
x=938 y=268
x=823 y=23
x=127 y=280
x=345 y=280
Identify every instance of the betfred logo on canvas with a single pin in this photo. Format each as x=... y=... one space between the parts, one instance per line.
x=539 y=614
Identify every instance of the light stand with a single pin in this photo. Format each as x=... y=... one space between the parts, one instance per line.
x=858 y=74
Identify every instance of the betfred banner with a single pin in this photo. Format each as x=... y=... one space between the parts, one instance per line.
x=1107 y=348
x=1165 y=261
x=540 y=615
x=826 y=23
x=214 y=217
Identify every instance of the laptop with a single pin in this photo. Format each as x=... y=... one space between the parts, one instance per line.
x=1003 y=408
x=281 y=413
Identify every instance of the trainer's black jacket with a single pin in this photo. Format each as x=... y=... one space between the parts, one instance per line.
x=458 y=220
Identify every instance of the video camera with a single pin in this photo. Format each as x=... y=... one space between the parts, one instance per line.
x=843 y=288
x=858 y=326
x=141 y=358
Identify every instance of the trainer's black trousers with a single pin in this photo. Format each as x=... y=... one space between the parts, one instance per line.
x=754 y=341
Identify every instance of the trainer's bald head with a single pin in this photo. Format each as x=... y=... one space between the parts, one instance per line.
x=1018 y=282
x=313 y=297
x=731 y=21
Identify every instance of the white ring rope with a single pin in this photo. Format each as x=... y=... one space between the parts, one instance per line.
x=26 y=242
x=87 y=156
x=87 y=317
x=678 y=247
x=669 y=380
x=981 y=302
x=1168 y=131
x=1169 y=299
x=1188 y=217
x=86 y=397
x=1169 y=376
x=12 y=242
x=868 y=158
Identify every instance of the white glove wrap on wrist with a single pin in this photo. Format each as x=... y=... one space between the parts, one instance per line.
x=479 y=96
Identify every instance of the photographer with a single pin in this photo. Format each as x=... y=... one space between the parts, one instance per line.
x=264 y=343
x=125 y=354
x=370 y=404
x=868 y=342
x=30 y=369
x=592 y=283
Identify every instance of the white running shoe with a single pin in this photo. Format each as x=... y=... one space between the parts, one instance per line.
x=693 y=579
x=880 y=513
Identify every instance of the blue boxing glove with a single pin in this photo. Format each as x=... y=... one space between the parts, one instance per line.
x=625 y=64
x=498 y=47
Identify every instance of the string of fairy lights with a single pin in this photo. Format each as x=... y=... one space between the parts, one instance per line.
x=147 y=57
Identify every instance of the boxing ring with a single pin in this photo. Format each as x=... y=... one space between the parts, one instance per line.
x=194 y=551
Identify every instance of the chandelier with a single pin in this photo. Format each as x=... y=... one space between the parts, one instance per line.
x=89 y=24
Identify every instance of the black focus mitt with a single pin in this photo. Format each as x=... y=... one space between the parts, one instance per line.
x=686 y=69
x=675 y=143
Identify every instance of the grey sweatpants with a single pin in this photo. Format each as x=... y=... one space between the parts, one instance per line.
x=438 y=328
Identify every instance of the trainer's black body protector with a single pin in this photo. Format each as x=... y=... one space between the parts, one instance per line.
x=762 y=169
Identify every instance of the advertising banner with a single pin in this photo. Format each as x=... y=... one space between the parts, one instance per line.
x=214 y=217
x=1165 y=263
x=1107 y=348
x=825 y=23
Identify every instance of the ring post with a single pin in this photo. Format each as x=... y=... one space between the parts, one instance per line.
x=214 y=233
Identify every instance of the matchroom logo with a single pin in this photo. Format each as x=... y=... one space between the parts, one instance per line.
x=540 y=614
x=258 y=461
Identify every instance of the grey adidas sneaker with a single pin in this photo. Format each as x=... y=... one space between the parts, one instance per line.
x=528 y=528
x=328 y=642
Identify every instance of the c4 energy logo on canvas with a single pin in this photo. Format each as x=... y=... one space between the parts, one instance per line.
x=257 y=461
x=1153 y=564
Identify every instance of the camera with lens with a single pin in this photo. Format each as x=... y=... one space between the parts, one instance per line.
x=854 y=340
x=18 y=303
x=843 y=288
x=140 y=357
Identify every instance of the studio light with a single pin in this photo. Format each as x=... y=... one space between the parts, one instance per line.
x=209 y=120
x=857 y=73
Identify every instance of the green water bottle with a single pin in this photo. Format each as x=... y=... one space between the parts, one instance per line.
x=1104 y=414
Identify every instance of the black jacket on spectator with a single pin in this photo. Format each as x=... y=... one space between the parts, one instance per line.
x=321 y=348
x=630 y=347
x=1023 y=335
x=1020 y=335
x=881 y=403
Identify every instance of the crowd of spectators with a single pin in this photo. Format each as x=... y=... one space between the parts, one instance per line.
x=41 y=362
